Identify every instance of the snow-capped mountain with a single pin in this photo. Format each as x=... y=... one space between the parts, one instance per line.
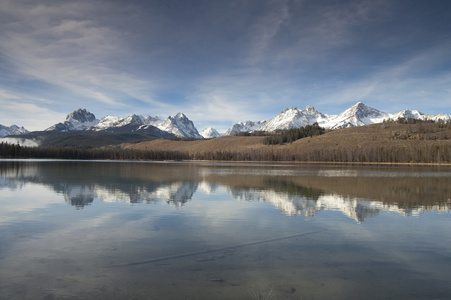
x=177 y=125
x=77 y=120
x=361 y=114
x=12 y=130
x=131 y=124
x=415 y=114
x=180 y=126
x=357 y=115
x=209 y=133
x=247 y=126
x=112 y=122
x=294 y=118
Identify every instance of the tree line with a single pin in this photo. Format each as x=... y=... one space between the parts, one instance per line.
x=421 y=129
x=17 y=151
x=402 y=120
x=382 y=154
x=439 y=153
x=392 y=151
x=281 y=137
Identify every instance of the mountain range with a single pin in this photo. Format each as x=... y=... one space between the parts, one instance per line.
x=12 y=130
x=181 y=126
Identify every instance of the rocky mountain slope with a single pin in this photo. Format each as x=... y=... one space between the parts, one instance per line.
x=177 y=125
x=11 y=130
x=209 y=133
x=247 y=126
x=357 y=115
x=180 y=125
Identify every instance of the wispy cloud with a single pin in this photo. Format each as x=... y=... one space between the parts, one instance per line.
x=408 y=84
x=26 y=112
x=266 y=28
x=62 y=45
x=222 y=61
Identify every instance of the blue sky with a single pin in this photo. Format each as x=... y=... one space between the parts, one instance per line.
x=218 y=61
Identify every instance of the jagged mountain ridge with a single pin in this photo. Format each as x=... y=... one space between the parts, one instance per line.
x=247 y=126
x=12 y=130
x=209 y=133
x=77 y=120
x=179 y=125
x=357 y=115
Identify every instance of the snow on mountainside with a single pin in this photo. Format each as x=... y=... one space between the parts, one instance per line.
x=357 y=115
x=12 y=130
x=181 y=126
x=178 y=125
x=209 y=133
x=415 y=114
x=247 y=126
x=109 y=122
x=78 y=120
x=294 y=118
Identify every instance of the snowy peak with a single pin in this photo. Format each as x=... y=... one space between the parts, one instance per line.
x=415 y=114
x=12 y=130
x=357 y=115
x=82 y=116
x=180 y=126
x=209 y=133
x=180 y=116
x=247 y=126
x=134 y=119
x=77 y=120
x=362 y=111
x=294 y=118
x=289 y=118
x=109 y=122
x=407 y=113
x=310 y=110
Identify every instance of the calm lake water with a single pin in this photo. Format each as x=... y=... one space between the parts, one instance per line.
x=142 y=230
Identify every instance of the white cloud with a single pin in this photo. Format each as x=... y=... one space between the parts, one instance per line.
x=253 y=61
x=19 y=111
x=25 y=202
x=404 y=85
x=60 y=45
x=265 y=29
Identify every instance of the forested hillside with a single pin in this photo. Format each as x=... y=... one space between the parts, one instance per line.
x=403 y=141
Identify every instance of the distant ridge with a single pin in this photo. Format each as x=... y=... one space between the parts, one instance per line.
x=209 y=133
x=177 y=125
x=357 y=115
x=180 y=125
x=11 y=130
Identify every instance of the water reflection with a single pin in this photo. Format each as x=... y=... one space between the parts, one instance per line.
x=118 y=230
x=358 y=193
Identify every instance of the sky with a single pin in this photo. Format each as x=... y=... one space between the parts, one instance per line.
x=220 y=61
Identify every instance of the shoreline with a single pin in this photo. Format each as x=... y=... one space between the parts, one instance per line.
x=235 y=161
x=322 y=162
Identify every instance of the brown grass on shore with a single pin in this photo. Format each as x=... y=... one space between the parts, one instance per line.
x=377 y=143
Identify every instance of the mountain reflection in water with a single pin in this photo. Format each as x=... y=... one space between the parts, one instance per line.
x=358 y=192
x=154 y=230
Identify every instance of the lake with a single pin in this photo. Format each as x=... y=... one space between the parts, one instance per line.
x=175 y=230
